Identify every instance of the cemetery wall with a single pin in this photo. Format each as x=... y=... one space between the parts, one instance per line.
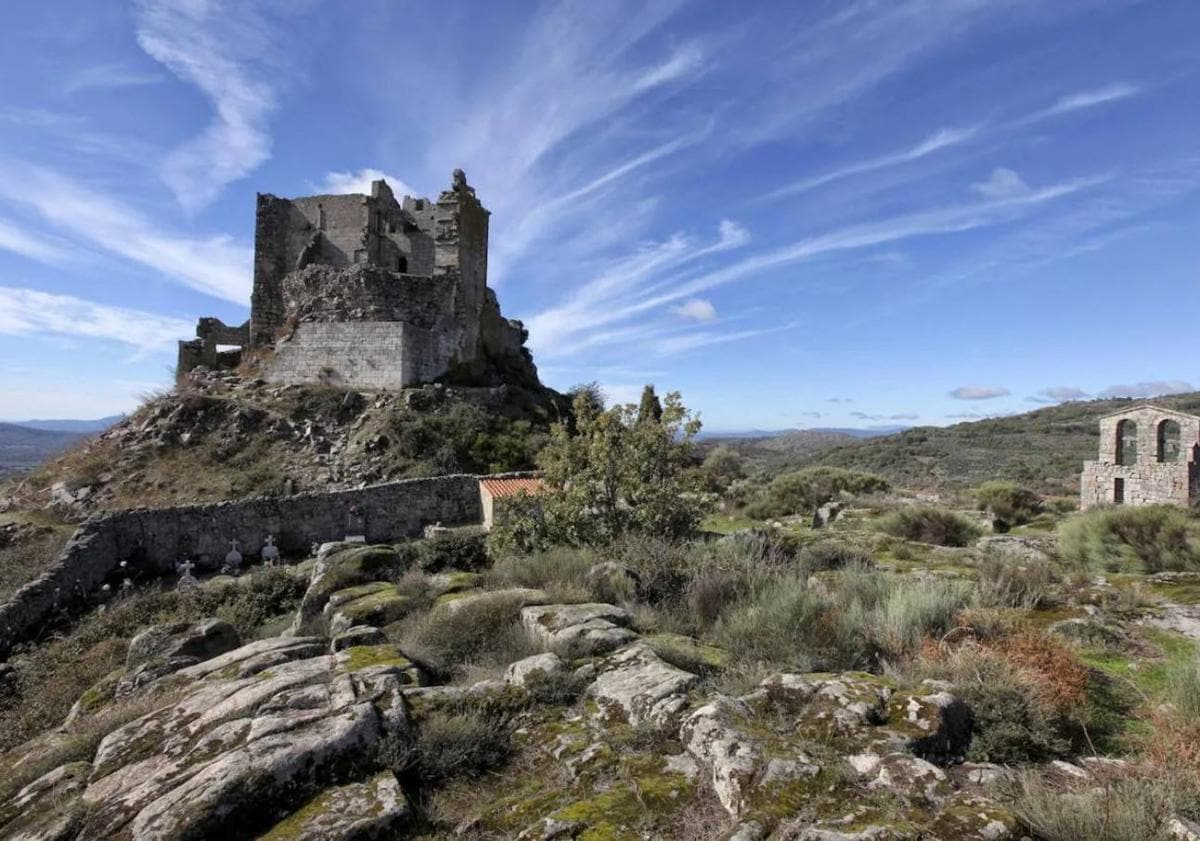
x=152 y=541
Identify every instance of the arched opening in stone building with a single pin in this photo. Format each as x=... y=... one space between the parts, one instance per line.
x=1168 y=441
x=1127 y=442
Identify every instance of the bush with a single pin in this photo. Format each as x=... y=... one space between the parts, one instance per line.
x=561 y=571
x=913 y=610
x=450 y=744
x=1124 y=809
x=462 y=549
x=831 y=554
x=930 y=524
x=1006 y=584
x=1008 y=502
x=777 y=625
x=485 y=632
x=1149 y=539
x=809 y=489
x=1184 y=684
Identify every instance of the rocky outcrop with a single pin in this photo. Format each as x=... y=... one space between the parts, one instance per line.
x=580 y=628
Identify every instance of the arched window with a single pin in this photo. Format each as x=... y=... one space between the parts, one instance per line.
x=1126 y=442
x=1168 y=441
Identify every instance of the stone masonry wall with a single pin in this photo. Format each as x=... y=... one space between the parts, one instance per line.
x=152 y=541
x=1148 y=480
x=366 y=355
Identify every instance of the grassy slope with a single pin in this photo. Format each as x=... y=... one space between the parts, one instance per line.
x=1044 y=449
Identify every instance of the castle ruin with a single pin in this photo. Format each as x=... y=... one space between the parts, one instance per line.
x=1148 y=455
x=371 y=293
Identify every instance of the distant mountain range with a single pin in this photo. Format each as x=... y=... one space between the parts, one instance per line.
x=852 y=431
x=78 y=426
x=27 y=444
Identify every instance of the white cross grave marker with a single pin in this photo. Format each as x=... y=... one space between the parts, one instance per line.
x=270 y=552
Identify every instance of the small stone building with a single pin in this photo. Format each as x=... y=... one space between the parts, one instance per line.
x=1148 y=455
x=492 y=488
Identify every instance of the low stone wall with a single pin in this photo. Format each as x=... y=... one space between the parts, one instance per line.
x=152 y=541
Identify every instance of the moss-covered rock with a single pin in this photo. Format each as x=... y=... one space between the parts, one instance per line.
x=376 y=808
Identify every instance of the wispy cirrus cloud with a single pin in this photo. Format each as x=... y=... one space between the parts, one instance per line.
x=110 y=75
x=697 y=309
x=949 y=138
x=228 y=52
x=27 y=312
x=35 y=246
x=217 y=265
x=979 y=392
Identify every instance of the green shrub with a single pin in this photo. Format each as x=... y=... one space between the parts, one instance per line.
x=930 y=524
x=914 y=610
x=461 y=549
x=776 y=625
x=1124 y=809
x=1149 y=538
x=1003 y=583
x=1008 y=502
x=1011 y=721
x=832 y=554
x=806 y=490
x=448 y=640
x=562 y=570
x=269 y=594
x=449 y=744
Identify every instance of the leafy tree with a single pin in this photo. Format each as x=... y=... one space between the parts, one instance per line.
x=616 y=473
x=722 y=466
x=809 y=489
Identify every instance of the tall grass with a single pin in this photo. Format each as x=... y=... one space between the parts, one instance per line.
x=1124 y=809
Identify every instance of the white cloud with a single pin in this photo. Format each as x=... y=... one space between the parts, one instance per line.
x=340 y=183
x=1092 y=98
x=1003 y=183
x=1059 y=394
x=108 y=76
x=27 y=244
x=215 y=265
x=697 y=309
x=1154 y=388
x=25 y=312
x=942 y=139
x=978 y=392
x=226 y=50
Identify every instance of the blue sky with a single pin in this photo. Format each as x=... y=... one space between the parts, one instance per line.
x=798 y=214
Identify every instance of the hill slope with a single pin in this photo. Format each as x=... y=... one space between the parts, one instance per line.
x=1044 y=449
x=22 y=448
x=222 y=436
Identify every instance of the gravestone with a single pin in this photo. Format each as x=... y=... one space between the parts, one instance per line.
x=270 y=552
x=233 y=560
x=187 y=581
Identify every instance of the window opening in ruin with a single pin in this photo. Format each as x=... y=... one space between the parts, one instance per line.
x=1119 y=491
x=320 y=217
x=402 y=265
x=1127 y=442
x=1168 y=441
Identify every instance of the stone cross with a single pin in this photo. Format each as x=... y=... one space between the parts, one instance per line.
x=270 y=552
x=186 y=580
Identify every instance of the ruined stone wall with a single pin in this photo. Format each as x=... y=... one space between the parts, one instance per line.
x=366 y=355
x=1148 y=480
x=152 y=541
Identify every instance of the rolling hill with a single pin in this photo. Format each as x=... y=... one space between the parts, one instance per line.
x=22 y=448
x=1043 y=449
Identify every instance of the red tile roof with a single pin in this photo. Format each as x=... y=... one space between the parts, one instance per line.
x=512 y=486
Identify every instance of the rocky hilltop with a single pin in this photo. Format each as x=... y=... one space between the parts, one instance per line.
x=220 y=436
